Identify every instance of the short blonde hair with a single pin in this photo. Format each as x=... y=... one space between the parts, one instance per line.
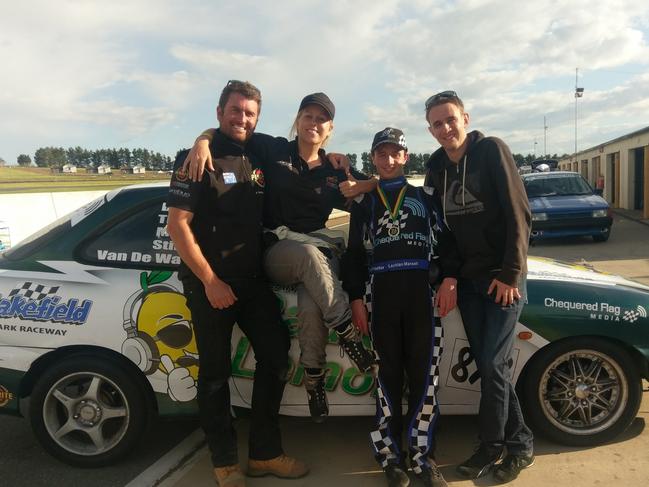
x=293 y=132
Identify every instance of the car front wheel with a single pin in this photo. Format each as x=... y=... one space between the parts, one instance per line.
x=87 y=412
x=582 y=391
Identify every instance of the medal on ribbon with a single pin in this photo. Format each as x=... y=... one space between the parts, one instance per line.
x=393 y=225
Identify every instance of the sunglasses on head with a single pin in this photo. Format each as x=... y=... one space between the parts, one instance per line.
x=442 y=95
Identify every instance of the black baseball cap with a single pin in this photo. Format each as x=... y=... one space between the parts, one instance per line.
x=389 y=135
x=319 y=99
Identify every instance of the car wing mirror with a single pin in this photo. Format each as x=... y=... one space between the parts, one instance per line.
x=599 y=192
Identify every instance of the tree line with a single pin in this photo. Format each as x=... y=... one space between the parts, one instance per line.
x=417 y=162
x=77 y=156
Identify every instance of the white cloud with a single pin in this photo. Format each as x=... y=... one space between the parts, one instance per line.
x=132 y=70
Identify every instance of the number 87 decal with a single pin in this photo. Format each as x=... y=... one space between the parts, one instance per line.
x=463 y=373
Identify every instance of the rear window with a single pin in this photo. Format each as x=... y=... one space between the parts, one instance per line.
x=138 y=240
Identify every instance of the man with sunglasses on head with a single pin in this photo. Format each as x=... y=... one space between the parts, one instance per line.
x=485 y=205
x=215 y=224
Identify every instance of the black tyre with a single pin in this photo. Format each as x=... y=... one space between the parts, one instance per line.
x=582 y=391
x=602 y=237
x=87 y=411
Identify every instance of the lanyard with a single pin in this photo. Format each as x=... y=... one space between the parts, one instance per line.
x=394 y=213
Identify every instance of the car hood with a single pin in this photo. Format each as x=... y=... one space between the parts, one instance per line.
x=553 y=270
x=567 y=203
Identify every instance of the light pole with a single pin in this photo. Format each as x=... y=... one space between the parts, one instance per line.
x=545 y=137
x=579 y=92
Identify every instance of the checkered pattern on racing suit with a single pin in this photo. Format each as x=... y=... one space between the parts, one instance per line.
x=422 y=424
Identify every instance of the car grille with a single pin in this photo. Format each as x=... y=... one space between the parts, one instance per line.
x=570 y=216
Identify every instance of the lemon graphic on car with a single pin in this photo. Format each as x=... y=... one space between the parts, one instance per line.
x=160 y=336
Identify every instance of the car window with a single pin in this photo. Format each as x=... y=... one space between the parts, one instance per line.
x=560 y=185
x=138 y=240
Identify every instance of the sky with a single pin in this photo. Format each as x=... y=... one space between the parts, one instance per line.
x=144 y=73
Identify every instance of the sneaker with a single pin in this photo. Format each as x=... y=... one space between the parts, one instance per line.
x=511 y=466
x=350 y=341
x=432 y=477
x=315 y=390
x=283 y=466
x=229 y=476
x=479 y=464
x=397 y=477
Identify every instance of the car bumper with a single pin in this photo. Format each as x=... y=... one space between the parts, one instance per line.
x=570 y=227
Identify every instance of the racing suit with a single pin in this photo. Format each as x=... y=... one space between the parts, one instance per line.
x=404 y=331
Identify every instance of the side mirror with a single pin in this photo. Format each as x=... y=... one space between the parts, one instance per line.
x=599 y=191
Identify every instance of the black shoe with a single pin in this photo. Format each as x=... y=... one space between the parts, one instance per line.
x=315 y=389
x=479 y=464
x=511 y=466
x=397 y=477
x=350 y=342
x=432 y=477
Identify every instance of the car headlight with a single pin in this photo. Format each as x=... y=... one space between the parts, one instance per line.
x=539 y=217
x=600 y=213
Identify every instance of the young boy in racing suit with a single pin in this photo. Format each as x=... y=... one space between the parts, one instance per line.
x=404 y=231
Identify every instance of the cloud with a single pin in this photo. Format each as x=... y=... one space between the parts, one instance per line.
x=90 y=69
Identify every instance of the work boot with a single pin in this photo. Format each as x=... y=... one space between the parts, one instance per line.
x=396 y=476
x=479 y=464
x=315 y=390
x=229 y=476
x=431 y=476
x=511 y=466
x=283 y=466
x=350 y=341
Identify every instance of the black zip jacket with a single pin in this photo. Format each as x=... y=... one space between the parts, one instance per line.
x=228 y=206
x=486 y=208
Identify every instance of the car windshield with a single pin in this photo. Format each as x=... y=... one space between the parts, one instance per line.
x=557 y=185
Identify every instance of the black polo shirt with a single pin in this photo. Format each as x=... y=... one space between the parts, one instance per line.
x=228 y=207
x=297 y=197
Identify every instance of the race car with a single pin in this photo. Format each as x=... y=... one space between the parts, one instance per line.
x=96 y=339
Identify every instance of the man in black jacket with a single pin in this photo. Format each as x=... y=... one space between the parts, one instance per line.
x=485 y=206
x=215 y=224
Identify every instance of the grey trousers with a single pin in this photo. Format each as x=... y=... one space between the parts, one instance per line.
x=322 y=302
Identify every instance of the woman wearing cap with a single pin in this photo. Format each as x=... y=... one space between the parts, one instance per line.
x=300 y=192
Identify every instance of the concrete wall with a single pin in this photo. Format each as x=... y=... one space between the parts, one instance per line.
x=24 y=214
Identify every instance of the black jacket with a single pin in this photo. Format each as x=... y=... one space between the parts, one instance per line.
x=228 y=206
x=486 y=208
x=297 y=197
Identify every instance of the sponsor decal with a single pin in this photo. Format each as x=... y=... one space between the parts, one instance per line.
x=164 y=251
x=36 y=302
x=5 y=396
x=181 y=174
x=257 y=177
x=599 y=310
x=463 y=372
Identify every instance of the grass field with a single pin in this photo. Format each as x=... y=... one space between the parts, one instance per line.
x=39 y=179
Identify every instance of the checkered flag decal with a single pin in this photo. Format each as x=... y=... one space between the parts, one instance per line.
x=424 y=421
x=33 y=291
x=631 y=316
x=386 y=449
x=386 y=222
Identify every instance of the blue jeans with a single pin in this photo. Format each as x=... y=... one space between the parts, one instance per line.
x=490 y=330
